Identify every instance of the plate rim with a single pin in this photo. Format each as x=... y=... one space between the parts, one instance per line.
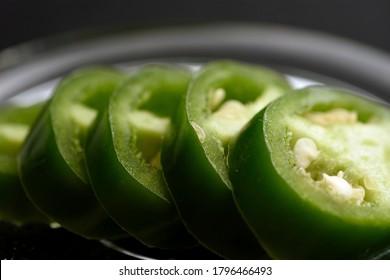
x=343 y=59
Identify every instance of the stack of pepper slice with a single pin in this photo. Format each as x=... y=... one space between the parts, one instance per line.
x=220 y=156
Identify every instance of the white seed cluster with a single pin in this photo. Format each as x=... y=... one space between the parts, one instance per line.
x=338 y=187
x=305 y=152
x=229 y=116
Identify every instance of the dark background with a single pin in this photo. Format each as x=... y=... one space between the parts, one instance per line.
x=23 y=20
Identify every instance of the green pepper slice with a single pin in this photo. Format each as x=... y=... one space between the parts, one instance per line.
x=221 y=99
x=123 y=156
x=15 y=123
x=311 y=176
x=52 y=161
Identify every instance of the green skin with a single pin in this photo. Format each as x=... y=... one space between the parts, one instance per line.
x=291 y=217
x=15 y=207
x=196 y=169
x=130 y=188
x=51 y=161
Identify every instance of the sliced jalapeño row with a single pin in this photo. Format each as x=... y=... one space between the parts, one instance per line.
x=228 y=157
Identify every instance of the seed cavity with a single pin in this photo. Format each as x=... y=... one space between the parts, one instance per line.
x=83 y=115
x=305 y=152
x=229 y=116
x=149 y=131
x=229 y=119
x=334 y=116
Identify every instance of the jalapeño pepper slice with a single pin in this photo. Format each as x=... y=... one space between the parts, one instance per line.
x=123 y=156
x=222 y=97
x=311 y=176
x=15 y=123
x=52 y=164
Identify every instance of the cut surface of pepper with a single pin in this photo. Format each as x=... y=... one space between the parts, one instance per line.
x=319 y=161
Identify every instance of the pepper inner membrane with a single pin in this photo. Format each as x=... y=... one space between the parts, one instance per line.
x=229 y=115
x=82 y=116
x=344 y=154
x=149 y=130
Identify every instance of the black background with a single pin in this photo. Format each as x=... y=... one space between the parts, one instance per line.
x=23 y=20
